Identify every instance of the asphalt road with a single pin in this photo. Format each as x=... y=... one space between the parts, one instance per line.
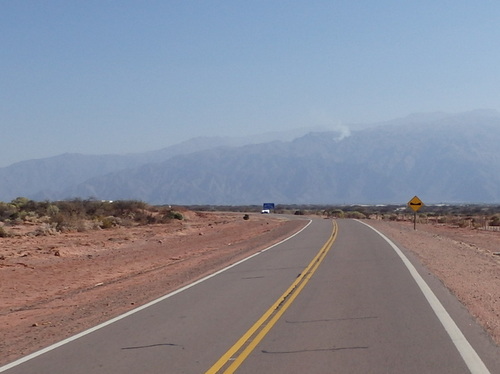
x=350 y=307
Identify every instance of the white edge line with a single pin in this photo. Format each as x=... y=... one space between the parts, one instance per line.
x=469 y=355
x=138 y=309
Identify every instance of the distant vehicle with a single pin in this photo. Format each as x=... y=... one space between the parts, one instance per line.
x=265 y=211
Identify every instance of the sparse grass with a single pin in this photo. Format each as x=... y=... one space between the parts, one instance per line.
x=83 y=215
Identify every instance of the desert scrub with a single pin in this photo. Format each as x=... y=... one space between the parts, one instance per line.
x=355 y=215
x=108 y=222
x=495 y=220
x=46 y=229
x=4 y=233
x=172 y=214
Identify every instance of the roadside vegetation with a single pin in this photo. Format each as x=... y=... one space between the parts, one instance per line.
x=81 y=215
x=473 y=215
x=52 y=217
x=461 y=215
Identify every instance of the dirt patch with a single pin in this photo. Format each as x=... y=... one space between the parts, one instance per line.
x=58 y=285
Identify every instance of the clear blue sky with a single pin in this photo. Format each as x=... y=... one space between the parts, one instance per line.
x=98 y=76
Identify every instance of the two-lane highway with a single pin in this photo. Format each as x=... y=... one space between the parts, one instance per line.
x=362 y=312
x=341 y=303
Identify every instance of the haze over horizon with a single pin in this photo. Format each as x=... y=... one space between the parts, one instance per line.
x=123 y=77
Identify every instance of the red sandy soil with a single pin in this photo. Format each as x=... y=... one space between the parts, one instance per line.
x=55 y=286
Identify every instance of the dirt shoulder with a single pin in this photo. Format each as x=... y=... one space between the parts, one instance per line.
x=55 y=286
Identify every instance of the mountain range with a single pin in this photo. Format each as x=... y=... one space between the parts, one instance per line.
x=442 y=158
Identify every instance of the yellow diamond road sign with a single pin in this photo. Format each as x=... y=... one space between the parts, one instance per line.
x=415 y=203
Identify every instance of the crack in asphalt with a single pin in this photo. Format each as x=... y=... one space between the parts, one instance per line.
x=154 y=345
x=315 y=350
x=332 y=319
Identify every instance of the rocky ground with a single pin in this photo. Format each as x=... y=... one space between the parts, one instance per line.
x=57 y=285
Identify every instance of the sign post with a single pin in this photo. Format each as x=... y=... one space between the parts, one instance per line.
x=267 y=207
x=415 y=204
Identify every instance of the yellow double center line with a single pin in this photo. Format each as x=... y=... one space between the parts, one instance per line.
x=235 y=356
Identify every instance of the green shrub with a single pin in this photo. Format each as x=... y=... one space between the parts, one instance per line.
x=172 y=214
x=52 y=210
x=20 y=202
x=178 y=216
x=7 y=211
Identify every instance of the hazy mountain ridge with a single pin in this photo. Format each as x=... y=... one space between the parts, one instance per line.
x=439 y=157
x=46 y=178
